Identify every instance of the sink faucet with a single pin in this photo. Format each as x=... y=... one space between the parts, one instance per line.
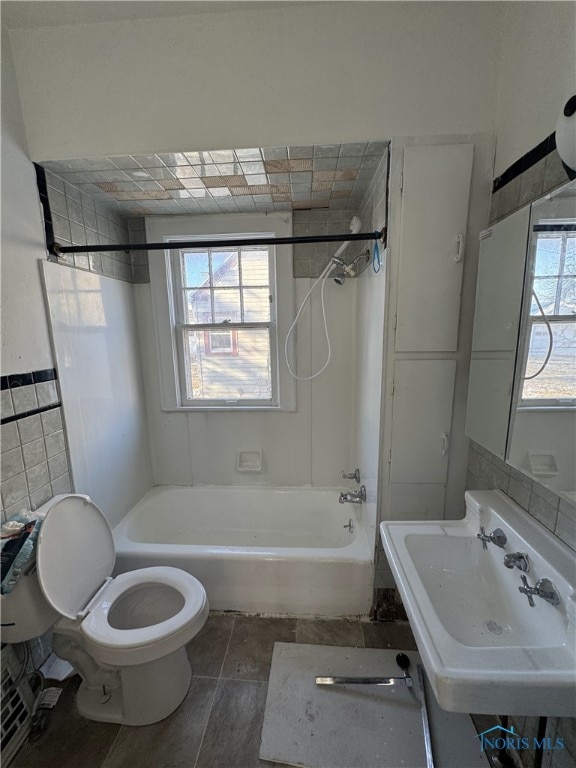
x=517 y=560
x=353 y=497
x=497 y=537
x=544 y=589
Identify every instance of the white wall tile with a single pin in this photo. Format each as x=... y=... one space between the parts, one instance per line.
x=96 y=347
x=24 y=398
x=34 y=453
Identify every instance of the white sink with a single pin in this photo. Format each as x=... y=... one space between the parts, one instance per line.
x=484 y=648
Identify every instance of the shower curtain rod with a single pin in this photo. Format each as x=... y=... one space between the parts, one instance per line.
x=58 y=249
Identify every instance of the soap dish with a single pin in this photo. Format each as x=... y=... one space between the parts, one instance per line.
x=249 y=461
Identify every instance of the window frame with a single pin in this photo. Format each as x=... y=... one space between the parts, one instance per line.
x=168 y=326
x=181 y=326
x=542 y=404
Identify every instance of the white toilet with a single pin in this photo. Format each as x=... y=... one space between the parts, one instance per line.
x=126 y=635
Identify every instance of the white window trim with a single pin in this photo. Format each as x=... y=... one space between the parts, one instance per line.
x=556 y=404
x=166 y=228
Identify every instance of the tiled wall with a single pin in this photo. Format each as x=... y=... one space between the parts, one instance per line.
x=137 y=234
x=309 y=259
x=35 y=465
x=486 y=471
x=79 y=219
x=530 y=183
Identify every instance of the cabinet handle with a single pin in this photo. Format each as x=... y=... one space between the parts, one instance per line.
x=459 y=248
x=444 y=443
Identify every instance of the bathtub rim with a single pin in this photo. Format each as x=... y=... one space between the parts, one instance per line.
x=359 y=550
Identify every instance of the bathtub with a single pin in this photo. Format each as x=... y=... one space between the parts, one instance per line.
x=280 y=551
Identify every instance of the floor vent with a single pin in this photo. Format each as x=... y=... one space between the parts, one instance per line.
x=17 y=703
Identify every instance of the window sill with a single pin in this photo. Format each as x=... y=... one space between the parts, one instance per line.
x=230 y=409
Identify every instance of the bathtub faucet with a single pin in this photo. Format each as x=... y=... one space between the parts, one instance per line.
x=353 y=497
x=497 y=537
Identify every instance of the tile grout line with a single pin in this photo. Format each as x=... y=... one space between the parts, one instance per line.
x=214 y=696
x=227 y=648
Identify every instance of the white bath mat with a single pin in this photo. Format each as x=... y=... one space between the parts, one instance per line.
x=356 y=726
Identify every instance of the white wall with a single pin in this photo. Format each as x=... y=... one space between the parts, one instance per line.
x=310 y=446
x=25 y=340
x=96 y=346
x=297 y=73
x=369 y=350
x=537 y=75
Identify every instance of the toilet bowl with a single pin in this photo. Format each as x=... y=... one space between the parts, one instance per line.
x=126 y=635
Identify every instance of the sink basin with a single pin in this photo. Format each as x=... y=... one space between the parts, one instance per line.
x=485 y=649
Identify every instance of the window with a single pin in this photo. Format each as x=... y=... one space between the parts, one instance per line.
x=550 y=355
x=226 y=320
x=221 y=313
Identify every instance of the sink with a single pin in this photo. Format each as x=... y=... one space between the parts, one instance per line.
x=485 y=649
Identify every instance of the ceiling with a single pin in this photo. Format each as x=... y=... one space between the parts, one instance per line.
x=334 y=176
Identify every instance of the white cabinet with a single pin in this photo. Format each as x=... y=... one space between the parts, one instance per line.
x=435 y=194
x=496 y=322
x=499 y=284
x=489 y=393
x=421 y=420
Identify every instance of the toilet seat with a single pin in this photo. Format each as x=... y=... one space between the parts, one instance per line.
x=75 y=557
x=137 y=646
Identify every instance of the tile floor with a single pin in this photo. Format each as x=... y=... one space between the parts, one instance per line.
x=219 y=723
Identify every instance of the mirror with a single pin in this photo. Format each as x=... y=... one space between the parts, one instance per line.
x=542 y=433
x=522 y=391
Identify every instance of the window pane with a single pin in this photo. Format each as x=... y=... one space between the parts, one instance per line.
x=226 y=305
x=225 y=268
x=197 y=306
x=558 y=379
x=243 y=374
x=195 y=269
x=256 y=305
x=568 y=296
x=220 y=342
x=545 y=288
x=548 y=256
x=255 y=266
x=570 y=262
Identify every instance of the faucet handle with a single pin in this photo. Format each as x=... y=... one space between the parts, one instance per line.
x=352 y=475
x=527 y=590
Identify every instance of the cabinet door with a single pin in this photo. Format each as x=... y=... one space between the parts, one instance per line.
x=499 y=285
x=435 y=193
x=421 y=420
x=488 y=409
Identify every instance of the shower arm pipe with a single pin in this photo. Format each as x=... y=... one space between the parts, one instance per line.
x=58 y=249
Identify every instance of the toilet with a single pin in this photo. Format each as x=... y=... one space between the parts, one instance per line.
x=126 y=635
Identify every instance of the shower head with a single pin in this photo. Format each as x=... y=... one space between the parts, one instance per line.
x=348 y=270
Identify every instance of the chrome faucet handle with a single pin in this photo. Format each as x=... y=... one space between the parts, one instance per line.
x=527 y=590
x=352 y=475
x=483 y=537
x=517 y=560
x=544 y=589
x=497 y=537
x=547 y=591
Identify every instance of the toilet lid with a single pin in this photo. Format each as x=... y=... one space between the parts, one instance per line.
x=75 y=553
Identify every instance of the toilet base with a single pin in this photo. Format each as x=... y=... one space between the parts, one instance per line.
x=147 y=693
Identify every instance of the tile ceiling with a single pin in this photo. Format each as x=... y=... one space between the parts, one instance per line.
x=241 y=180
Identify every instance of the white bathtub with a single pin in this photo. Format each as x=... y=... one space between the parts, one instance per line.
x=282 y=551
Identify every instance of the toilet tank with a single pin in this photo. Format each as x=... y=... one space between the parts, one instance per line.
x=25 y=612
